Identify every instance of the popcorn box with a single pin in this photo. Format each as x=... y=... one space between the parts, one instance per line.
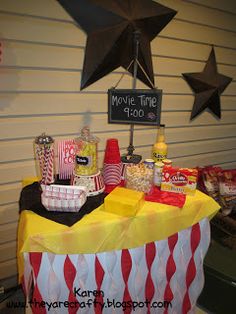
x=93 y=183
x=179 y=180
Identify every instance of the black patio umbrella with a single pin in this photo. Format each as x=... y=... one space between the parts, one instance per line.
x=110 y=26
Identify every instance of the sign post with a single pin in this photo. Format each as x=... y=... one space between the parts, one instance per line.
x=134 y=106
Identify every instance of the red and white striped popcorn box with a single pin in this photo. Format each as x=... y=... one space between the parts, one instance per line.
x=66 y=158
x=63 y=198
x=94 y=183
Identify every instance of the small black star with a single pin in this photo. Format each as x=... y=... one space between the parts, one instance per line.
x=207 y=86
x=110 y=26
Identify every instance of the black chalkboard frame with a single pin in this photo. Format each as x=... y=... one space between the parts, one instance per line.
x=135 y=92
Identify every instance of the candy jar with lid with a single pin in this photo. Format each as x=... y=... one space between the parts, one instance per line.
x=45 y=163
x=86 y=153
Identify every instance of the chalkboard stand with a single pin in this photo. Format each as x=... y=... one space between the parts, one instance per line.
x=130 y=157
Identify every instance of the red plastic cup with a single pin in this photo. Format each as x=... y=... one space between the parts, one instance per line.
x=112 y=166
x=112 y=152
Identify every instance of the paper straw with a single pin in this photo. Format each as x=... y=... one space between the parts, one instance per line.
x=49 y=174
x=47 y=156
x=39 y=156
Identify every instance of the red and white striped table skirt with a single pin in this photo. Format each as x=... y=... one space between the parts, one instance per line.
x=165 y=276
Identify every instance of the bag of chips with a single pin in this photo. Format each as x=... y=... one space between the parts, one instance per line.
x=227 y=190
x=210 y=181
x=219 y=184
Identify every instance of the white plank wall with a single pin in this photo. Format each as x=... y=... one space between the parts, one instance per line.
x=40 y=72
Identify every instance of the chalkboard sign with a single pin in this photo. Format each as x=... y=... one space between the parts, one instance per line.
x=139 y=106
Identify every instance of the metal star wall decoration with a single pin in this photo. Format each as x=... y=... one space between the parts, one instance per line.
x=207 y=86
x=110 y=27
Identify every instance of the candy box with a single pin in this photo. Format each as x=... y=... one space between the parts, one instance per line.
x=179 y=180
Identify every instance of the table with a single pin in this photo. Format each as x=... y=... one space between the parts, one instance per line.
x=150 y=263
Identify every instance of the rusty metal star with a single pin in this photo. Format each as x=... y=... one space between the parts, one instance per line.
x=110 y=27
x=207 y=85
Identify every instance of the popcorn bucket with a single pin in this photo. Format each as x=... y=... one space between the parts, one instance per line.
x=66 y=158
x=93 y=183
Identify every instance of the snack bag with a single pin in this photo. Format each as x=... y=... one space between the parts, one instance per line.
x=227 y=190
x=210 y=181
x=179 y=180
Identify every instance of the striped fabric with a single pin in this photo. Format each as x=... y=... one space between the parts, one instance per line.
x=165 y=276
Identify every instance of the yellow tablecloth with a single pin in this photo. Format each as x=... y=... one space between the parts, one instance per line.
x=100 y=231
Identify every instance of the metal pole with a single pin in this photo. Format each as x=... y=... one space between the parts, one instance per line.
x=136 y=49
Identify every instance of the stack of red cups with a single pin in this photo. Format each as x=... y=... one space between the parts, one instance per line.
x=112 y=166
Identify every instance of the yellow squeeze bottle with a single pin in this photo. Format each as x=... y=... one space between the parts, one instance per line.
x=159 y=151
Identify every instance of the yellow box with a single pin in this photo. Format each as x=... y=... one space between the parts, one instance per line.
x=123 y=202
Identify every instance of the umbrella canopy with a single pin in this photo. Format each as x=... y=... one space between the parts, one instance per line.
x=110 y=27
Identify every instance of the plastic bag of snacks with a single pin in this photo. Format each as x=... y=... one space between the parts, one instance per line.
x=227 y=190
x=139 y=177
x=221 y=185
x=210 y=182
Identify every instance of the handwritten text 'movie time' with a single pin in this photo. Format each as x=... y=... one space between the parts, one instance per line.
x=144 y=101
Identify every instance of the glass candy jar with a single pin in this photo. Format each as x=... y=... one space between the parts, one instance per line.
x=139 y=177
x=86 y=153
x=45 y=162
